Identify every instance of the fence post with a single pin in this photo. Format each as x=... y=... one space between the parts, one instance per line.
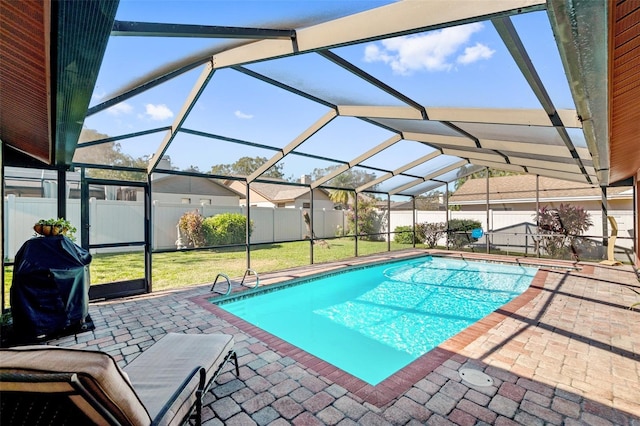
x=154 y=225
x=10 y=234
x=273 y=224
x=93 y=214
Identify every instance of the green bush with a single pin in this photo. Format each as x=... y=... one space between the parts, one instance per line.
x=404 y=235
x=460 y=232
x=225 y=229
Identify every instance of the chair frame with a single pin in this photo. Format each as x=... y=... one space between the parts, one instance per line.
x=75 y=387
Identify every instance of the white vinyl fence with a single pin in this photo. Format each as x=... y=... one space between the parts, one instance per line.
x=123 y=221
x=511 y=230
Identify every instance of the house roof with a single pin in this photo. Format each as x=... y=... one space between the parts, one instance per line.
x=192 y=185
x=522 y=188
x=280 y=193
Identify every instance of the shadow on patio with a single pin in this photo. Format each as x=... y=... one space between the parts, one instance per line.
x=565 y=354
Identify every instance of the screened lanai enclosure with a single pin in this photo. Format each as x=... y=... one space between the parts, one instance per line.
x=201 y=137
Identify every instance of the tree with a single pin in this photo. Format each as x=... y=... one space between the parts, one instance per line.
x=370 y=220
x=348 y=180
x=430 y=200
x=431 y=233
x=480 y=174
x=342 y=197
x=108 y=153
x=190 y=224
x=247 y=165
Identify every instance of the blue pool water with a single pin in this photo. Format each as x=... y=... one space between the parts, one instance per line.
x=373 y=321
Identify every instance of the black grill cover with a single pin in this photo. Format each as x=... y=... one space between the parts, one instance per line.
x=50 y=289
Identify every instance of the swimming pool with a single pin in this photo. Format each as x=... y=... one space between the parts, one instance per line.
x=372 y=321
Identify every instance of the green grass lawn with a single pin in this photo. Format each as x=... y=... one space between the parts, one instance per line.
x=184 y=268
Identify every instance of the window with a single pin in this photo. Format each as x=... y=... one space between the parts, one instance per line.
x=306 y=205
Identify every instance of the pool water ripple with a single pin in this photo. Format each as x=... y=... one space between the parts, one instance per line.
x=373 y=321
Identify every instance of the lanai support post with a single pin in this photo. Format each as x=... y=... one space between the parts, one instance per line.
x=355 y=206
x=605 y=225
x=446 y=212
x=247 y=228
x=389 y=222
x=62 y=193
x=148 y=236
x=636 y=232
x=311 y=237
x=486 y=235
x=2 y=236
x=84 y=210
x=413 y=199
x=538 y=239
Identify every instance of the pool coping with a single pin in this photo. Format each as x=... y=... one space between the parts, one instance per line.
x=401 y=381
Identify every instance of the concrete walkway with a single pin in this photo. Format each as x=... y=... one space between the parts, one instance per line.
x=564 y=353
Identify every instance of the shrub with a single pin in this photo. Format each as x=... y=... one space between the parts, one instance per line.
x=190 y=224
x=403 y=235
x=225 y=229
x=430 y=233
x=566 y=224
x=460 y=232
x=370 y=221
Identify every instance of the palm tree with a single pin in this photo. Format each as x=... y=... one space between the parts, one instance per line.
x=341 y=196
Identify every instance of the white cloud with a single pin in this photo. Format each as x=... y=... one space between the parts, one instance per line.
x=158 y=112
x=242 y=115
x=122 y=108
x=431 y=52
x=475 y=53
x=96 y=96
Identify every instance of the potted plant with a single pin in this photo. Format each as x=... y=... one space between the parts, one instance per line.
x=51 y=227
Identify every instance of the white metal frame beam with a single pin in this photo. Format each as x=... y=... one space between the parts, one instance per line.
x=375 y=150
x=310 y=131
x=396 y=19
x=428 y=177
x=512 y=41
x=518 y=117
x=398 y=171
x=191 y=100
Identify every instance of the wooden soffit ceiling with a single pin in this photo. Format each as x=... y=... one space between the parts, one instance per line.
x=24 y=77
x=624 y=88
x=51 y=52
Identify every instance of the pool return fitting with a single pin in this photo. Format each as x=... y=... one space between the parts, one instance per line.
x=228 y=280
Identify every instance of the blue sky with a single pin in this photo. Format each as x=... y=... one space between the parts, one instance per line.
x=465 y=66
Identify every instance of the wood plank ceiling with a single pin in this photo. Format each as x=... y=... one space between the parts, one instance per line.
x=27 y=95
x=24 y=77
x=624 y=89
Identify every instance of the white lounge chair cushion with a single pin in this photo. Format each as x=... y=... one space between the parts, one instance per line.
x=158 y=371
x=97 y=371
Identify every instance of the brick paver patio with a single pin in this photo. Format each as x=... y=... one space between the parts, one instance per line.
x=565 y=352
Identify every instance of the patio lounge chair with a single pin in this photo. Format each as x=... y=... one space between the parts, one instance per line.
x=162 y=386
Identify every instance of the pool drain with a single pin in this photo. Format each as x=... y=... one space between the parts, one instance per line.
x=475 y=377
